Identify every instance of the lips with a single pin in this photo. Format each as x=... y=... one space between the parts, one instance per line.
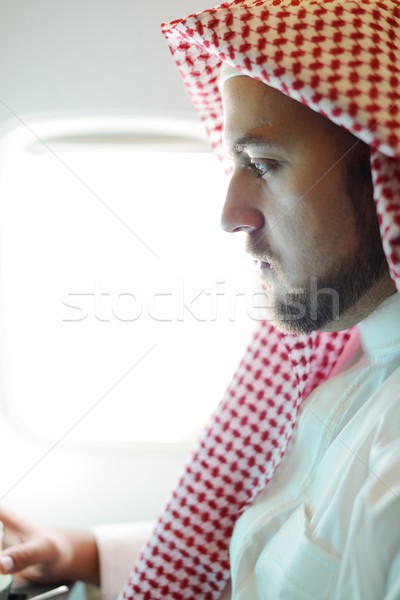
x=264 y=267
x=261 y=253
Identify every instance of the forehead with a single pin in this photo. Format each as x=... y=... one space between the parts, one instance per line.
x=252 y=108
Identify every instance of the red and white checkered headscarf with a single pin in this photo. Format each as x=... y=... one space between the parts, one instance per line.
x=341 y=59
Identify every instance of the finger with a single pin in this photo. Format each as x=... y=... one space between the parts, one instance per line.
x=20 y=557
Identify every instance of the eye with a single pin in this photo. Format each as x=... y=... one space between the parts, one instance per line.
x=264 y=166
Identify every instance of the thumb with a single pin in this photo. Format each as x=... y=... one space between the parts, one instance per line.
x=17 y=558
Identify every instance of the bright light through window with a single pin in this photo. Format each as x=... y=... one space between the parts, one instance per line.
x=125 y=306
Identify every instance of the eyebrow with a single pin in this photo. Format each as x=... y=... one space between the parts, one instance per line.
x=241 y=143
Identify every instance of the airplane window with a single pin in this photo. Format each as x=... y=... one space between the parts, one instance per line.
x=125 y=304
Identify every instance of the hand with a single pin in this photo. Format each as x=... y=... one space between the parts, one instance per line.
x=47 y=555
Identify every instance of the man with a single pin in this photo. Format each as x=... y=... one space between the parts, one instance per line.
x=294 y=489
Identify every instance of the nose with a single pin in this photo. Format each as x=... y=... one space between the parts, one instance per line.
x=241 y=211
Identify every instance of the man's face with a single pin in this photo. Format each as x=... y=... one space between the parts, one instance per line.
x=301 y=190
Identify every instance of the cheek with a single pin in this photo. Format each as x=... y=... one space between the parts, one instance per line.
x=301 y=242
x=286 y=220
x=326 y=211
x=334 y=227
x=312 y=233
x=309 y=212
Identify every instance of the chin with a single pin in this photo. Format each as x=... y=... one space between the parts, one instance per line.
x=289 y=324
x=293 y=327
x=295 y=315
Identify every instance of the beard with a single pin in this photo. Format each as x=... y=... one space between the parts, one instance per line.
x=330 y=295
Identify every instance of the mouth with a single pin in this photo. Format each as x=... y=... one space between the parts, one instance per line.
x=259 y=250
x=263 y=265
